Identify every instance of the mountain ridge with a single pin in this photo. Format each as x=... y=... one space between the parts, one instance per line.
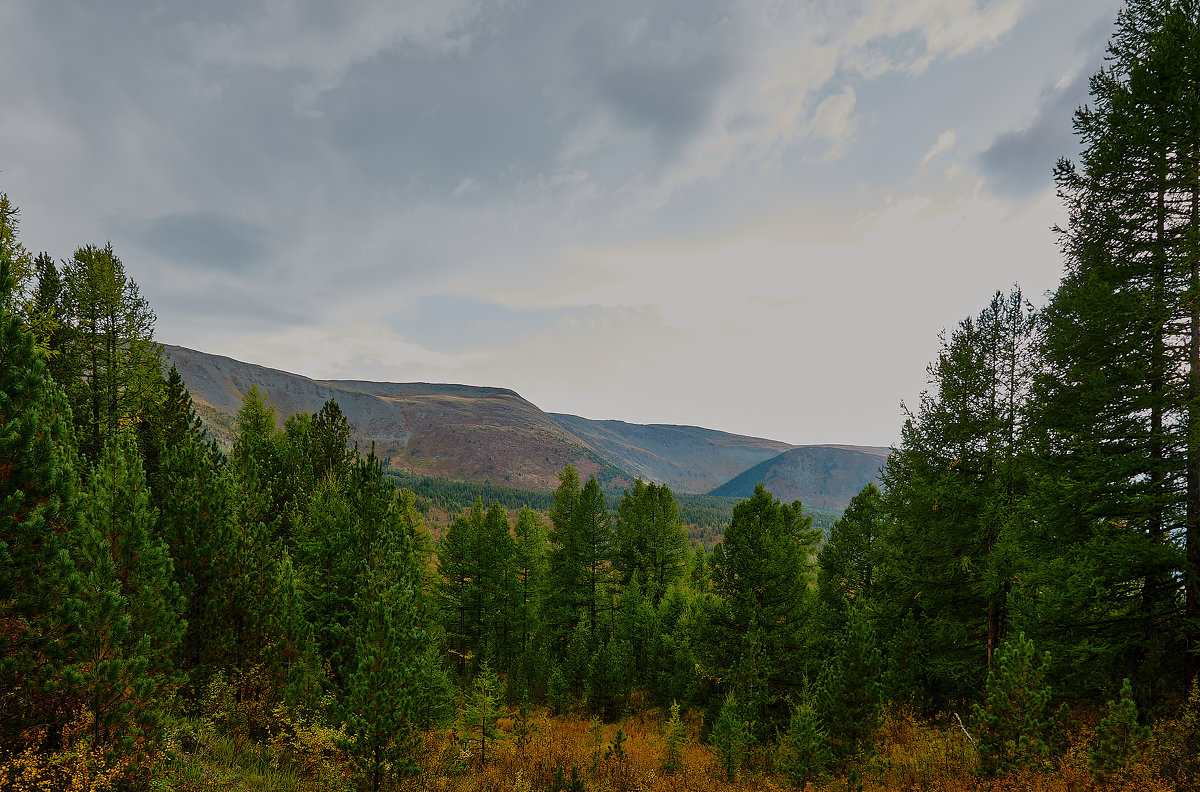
x=492 y=434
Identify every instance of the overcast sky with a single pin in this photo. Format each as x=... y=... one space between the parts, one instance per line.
x=749 y=215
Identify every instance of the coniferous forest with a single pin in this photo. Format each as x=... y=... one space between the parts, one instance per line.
x=1018 y=607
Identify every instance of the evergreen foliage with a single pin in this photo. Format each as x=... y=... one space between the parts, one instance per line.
x=110 y=338
x=1118 y=400
x=382 y=689
x=674 y=738
x=1016 y=724
x=130 y=620
x=761 y=575
x=1120 y=738
x=955 y=494
x=39 y=502
x=481 y=711
x=805 y=753
x=649 y=539
x=731 y=738
x=848 y=694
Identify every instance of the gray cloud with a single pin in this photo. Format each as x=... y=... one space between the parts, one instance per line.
x=452 y=324
x=208 y=240
x=223 y=301
x=1019 y=162
x=302 y=170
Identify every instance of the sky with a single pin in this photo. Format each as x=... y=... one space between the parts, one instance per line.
x=749 y=215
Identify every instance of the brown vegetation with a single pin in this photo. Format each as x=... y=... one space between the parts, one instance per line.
x=911 y=755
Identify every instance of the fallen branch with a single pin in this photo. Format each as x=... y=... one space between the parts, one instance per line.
x=964 y=731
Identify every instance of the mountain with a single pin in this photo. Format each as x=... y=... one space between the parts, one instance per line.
x=492 y=435
x=824 y=476
x=456 y=431
x=686 y=458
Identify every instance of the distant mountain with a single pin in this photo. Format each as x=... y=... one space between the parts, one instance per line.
x=686 y=458
x=825 y=476
x=492 y=435
x=455 y=431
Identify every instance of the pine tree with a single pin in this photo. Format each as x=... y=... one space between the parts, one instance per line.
x=731 y=738
x=1016 y=725
x=761 y=576
x=848 y=694
x=20 y=264
x=607 y=684
x=39 y=505
x=327 y=552
x=331 y=455
x=955 y=492
x=1120 y=738
x=649 y=538
x=530 y=566
x=563 y=569
x=497 y=582
x=674 y=740
x=458 y=591
x=593 y=542
x=197 y=511
x=131 y=616
x=850 y=556
x=381 y=690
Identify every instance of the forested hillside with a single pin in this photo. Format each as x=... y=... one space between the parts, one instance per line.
x=1017 y=608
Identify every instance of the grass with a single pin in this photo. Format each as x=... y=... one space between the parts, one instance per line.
x=911 y=755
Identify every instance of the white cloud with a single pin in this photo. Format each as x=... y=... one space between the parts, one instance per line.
x=945 y=142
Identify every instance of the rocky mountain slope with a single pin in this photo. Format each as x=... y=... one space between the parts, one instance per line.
x=493 y=435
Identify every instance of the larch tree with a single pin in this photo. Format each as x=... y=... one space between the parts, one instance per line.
x=955 y=489
x=110 y=336
x=1119 y=399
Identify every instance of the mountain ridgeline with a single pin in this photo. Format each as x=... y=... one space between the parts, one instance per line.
x=490 y=435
